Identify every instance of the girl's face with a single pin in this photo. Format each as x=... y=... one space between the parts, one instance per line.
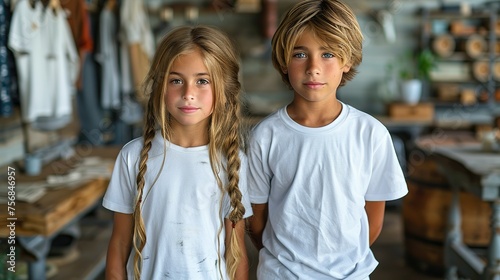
x=189 y=96
x=313 y=71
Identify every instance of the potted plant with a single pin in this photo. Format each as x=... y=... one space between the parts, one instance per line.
x=413 y=72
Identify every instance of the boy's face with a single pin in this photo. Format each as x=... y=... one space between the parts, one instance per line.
x=314 y=72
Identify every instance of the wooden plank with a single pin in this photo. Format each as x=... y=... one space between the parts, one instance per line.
x=416 y=112
x=56 y=209
x=58 y=206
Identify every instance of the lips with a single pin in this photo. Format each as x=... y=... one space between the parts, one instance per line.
x=188 y=109
x=313 y=84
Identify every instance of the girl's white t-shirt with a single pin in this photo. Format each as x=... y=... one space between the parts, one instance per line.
x=182 y=211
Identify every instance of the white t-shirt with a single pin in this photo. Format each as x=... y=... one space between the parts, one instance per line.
x=108 y=58
x=316 y=182
x=182 y=212
x=46 y=59
x=134 y=28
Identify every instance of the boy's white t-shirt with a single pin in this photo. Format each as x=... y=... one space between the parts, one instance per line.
x=181 y=213
x=316 y=182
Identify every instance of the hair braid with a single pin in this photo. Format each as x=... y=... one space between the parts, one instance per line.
x=232 y=143
x=139 y=237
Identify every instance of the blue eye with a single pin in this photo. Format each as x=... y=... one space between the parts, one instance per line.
x=328 y=55
x=175 y=81
x=203 y=82
x=299 y=55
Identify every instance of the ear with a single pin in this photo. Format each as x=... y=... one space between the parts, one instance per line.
x=346 y=68
x=284 y=70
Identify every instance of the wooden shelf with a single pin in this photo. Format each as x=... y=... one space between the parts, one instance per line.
x=461 y=61
x=91 y=247
x=437 y=15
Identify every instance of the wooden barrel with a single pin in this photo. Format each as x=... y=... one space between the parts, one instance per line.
x=475 y=46
x=425 y=212
x=481 y=70
x=496 y=70
x=443 y=45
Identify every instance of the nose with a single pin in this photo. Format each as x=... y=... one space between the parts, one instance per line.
x=312 y=66
x=188 y=93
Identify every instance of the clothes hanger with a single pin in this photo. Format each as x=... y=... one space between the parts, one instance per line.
x=32 y=3
x=110 y=5
x=54 y=4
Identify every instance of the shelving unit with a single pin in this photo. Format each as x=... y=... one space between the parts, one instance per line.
x=467 y=51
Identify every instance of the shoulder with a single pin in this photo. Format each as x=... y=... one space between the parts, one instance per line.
x=363 y=119
x=268 y=123
x=269 y=128
x=133 y=147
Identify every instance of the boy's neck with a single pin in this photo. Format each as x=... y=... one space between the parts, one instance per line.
x=314 y=114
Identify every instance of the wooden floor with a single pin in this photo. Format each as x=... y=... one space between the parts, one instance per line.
x=390 y=252
x=388 y=249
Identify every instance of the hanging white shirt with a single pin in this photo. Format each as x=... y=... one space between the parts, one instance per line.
x=108 y=58
x=46 y=59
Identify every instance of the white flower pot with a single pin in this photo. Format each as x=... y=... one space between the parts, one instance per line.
x=411 y=90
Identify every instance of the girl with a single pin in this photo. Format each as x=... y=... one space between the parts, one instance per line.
x=177 y=190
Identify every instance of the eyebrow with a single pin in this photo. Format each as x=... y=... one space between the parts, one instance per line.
x=305 y=48
x=197 y=74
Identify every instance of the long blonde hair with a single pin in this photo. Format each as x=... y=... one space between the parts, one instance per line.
x=222 y=62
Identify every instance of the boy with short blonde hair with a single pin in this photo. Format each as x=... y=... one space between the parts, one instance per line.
x=320 y=170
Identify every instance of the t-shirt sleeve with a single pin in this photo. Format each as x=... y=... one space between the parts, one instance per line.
x=259 y=175
x=245 y=199
x=23 y=27
x=120 y=195
x=387 y=181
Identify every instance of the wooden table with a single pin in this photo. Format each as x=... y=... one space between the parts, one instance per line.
x=37 y=223
x=467 y=167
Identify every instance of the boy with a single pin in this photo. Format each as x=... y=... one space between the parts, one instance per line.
x=320 y=170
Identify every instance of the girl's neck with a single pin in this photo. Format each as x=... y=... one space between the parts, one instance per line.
x=189 y=136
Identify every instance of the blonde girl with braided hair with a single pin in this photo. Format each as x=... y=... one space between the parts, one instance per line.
x=179 y=191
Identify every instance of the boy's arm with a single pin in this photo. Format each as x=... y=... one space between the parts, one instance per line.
x=256 y=224
x=375 y=211
x=242 y=270
x=119 y=248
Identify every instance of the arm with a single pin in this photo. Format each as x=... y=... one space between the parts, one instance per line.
x=375 y=211
x=120 y=245
x=242 y=270
x=256 y=224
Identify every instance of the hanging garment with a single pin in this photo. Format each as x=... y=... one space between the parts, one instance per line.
x=47 y=64
x=89 y=112
x=79 y=24
x=108 y=58
x=6 y=76
x=139 y=41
